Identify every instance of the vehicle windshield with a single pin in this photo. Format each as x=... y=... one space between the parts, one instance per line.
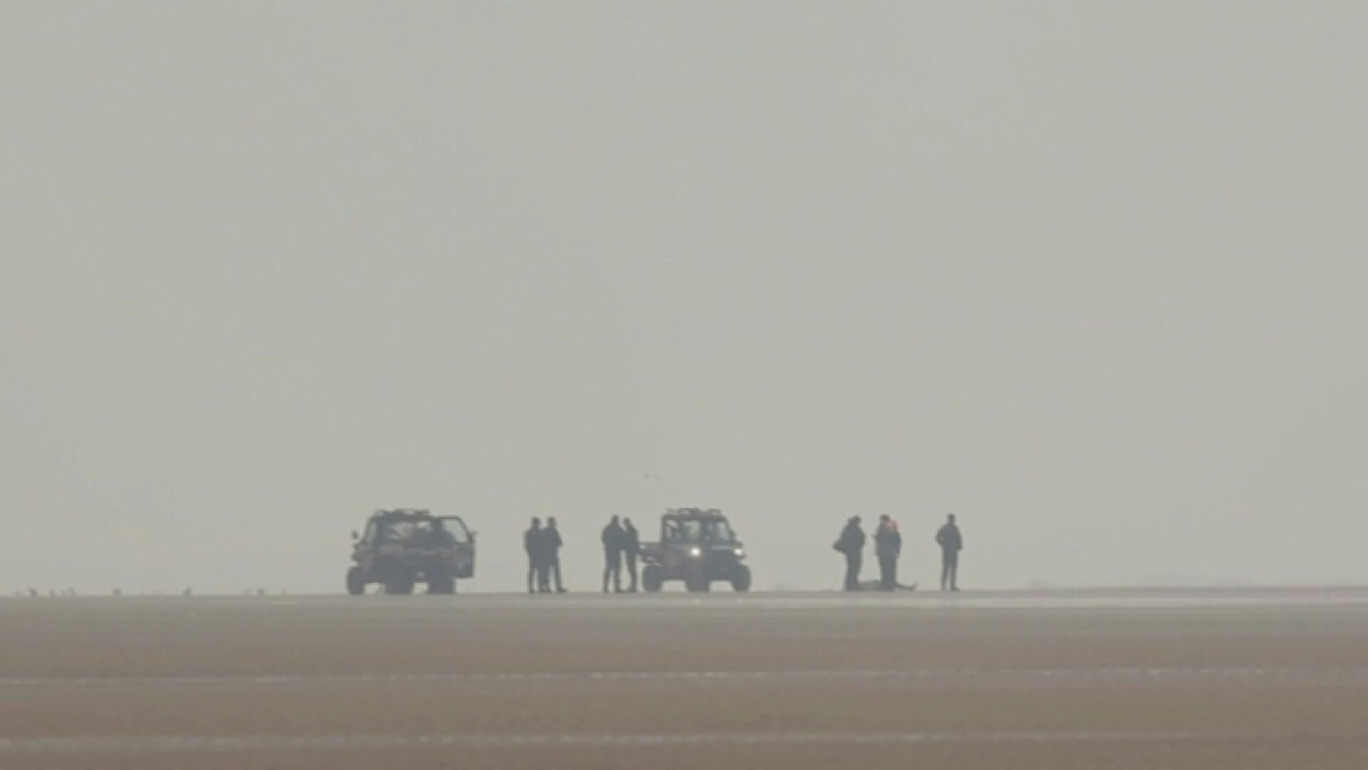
x=697 y=531
x=682 y=531
x=445 y=531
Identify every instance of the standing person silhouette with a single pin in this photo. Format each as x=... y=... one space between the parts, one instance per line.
x=553 y=549
x=887 y=546
x=614 y=539
x=631 y=548
x=951 y=543
x=533 y=545
x=851 y=543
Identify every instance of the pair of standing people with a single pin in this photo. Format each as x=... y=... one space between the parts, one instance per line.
x=620 y=541
x=888 y=547
x=543 y=545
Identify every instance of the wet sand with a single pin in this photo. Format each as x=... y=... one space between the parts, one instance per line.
x=1135 y=679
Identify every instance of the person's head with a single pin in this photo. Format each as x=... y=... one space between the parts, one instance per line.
x=854 y=521
x=550 y=522
x=614 y=521
x=536 y=523
x=950 y=517
x=626 y=522
x=883 y=520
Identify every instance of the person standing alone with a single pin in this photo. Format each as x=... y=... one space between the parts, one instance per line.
x=614 y=538
x=631 y=548
x=887 y=546
x=851 y=543
x=951 y=543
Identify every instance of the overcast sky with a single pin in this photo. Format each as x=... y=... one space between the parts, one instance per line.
x=1091 y=275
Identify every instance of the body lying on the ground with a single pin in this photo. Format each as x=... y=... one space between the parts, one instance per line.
x=874 y=585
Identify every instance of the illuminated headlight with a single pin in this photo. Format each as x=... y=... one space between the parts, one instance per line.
x=695 y=552
x=739 y=552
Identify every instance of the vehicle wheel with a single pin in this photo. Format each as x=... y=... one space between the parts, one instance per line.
x=741 y=579
x=442 y=584
x=398 y=586
x=652 y=579
x=356 y=582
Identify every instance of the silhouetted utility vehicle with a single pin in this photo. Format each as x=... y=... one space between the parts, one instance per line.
x=402 y=547
x=696 y=546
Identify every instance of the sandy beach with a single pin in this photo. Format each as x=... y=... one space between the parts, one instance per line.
x=1088 y=679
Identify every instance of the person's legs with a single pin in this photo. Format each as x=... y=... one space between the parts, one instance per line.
x=852 y=577
x=632 y=572
x=556 y=573
x=945 y=571
x=617 y=573
x=954 y=573
x=531 y=577
x=543 y=577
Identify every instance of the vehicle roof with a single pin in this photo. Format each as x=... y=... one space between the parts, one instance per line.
x=693 y=513
x=408 y=514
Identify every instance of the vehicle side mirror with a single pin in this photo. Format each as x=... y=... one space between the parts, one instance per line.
x=355 y=536
x=473 y=533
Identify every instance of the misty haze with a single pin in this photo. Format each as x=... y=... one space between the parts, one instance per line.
x=1088 y=276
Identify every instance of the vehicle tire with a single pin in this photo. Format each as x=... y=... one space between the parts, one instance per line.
x=356 y=582
x=442 y=584
x=652 y=578
x=741 y=579
x=399 y=585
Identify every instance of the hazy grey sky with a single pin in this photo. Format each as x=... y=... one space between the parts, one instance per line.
x=1090 y=274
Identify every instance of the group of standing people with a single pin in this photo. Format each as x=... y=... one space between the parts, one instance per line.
x=621 y=542
x=888 y=547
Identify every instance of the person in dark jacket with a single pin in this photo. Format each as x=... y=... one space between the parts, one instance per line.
x=553 y=549
x=887 y=546
x=851 y=543
x=951 y=543
x=631 y=548
x=533 y=544
x=614 y=540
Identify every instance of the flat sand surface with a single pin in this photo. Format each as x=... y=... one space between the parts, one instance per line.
x=1138 y=679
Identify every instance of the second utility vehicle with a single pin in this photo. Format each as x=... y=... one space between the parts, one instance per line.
x=698 y=547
